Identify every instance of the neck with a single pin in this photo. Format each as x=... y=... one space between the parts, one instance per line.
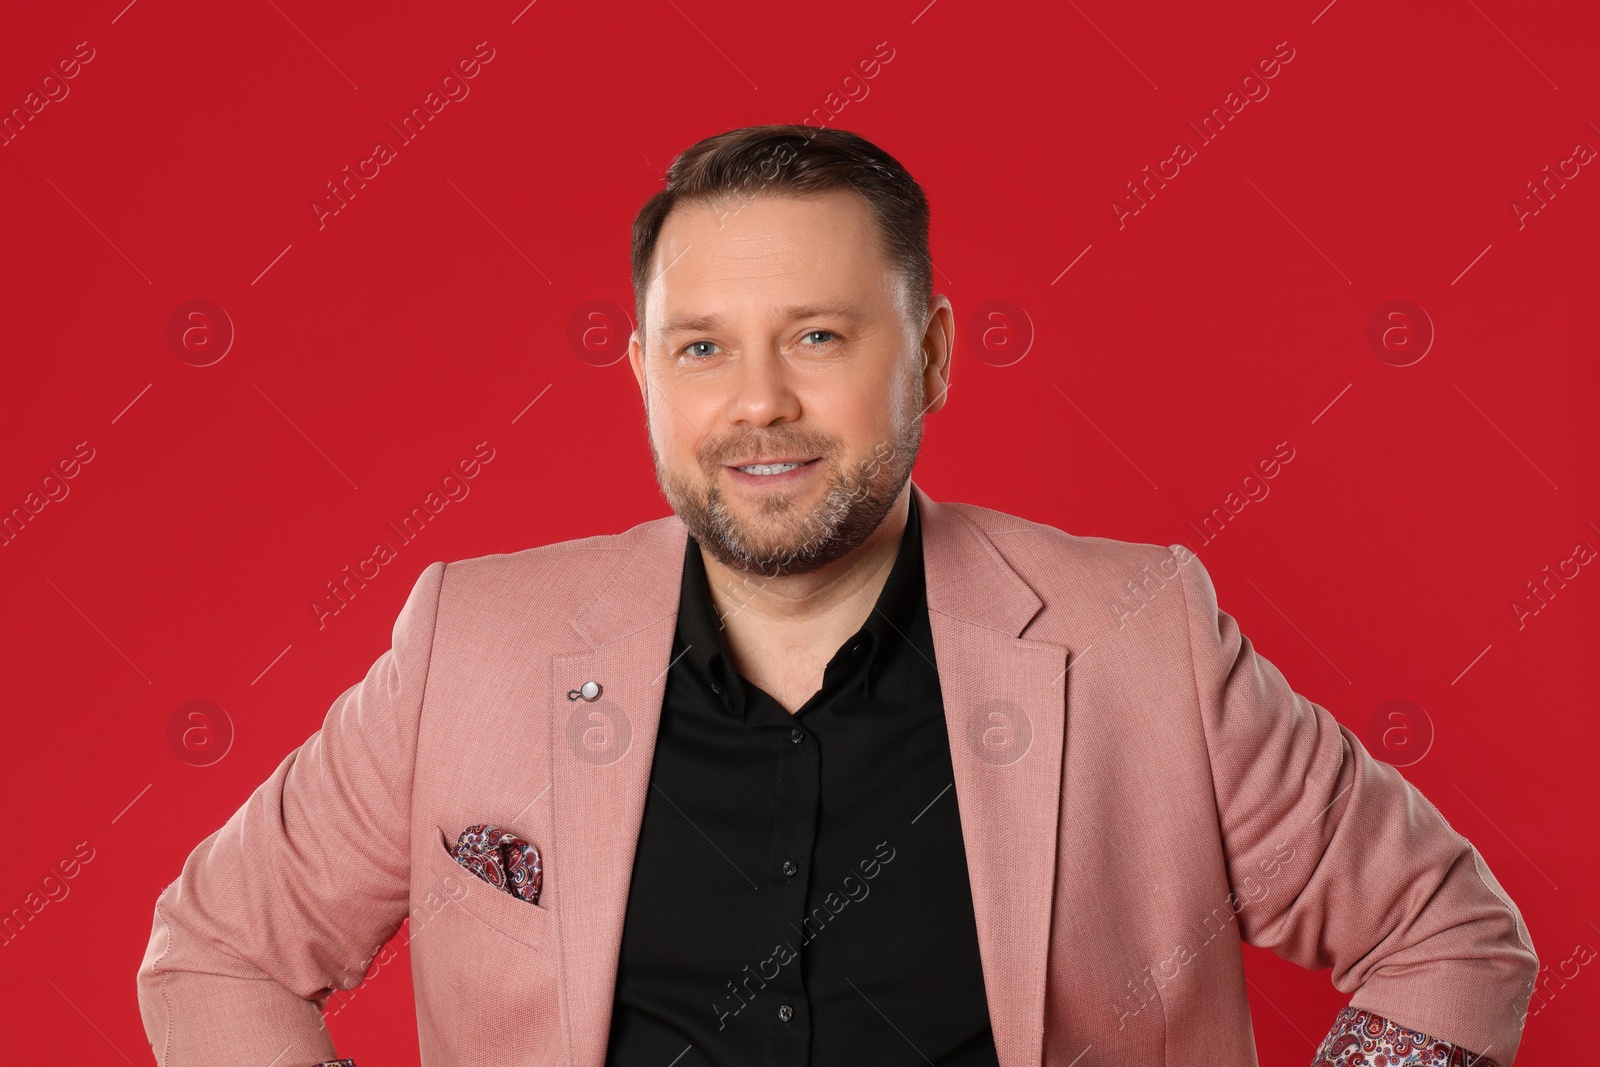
x=807 y=608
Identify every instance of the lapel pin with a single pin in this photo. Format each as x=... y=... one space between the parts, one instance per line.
x=588 y=691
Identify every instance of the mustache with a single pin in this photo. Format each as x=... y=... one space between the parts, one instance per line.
x=723 y=454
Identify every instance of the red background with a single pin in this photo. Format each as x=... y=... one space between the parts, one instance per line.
x=371 y=353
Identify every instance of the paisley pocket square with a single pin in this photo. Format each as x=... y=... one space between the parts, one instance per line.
x=502 y=859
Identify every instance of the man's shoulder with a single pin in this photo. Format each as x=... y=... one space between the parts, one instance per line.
x=1021 y=539
x=1089 y=585
x=569 y=570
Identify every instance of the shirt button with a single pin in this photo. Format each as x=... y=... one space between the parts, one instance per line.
x=715 y=688
x=790 y=868
x=855 y=648
x=796 y=734
x=785 y=1013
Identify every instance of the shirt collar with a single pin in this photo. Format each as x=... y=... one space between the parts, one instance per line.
x=890 y=623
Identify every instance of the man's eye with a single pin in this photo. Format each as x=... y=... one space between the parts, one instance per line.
x=692 y=345
x=829 y=333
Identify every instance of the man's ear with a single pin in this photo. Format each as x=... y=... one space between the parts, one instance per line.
x=938 y=345
x=636 y=359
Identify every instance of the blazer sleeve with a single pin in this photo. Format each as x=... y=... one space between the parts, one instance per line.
x=1370 y=880
x=293 y=896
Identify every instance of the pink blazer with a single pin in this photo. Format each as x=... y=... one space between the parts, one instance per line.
x=1139 y=791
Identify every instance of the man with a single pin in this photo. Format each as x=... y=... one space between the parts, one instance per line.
x=818 y=770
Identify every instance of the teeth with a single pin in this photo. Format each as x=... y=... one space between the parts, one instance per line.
x=770 y=468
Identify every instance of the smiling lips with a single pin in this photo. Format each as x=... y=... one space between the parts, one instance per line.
x=770 y=468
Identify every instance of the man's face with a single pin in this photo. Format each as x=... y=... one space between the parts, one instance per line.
x=775 y=330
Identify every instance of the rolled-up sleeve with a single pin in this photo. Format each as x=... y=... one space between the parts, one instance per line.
x=1375 y=884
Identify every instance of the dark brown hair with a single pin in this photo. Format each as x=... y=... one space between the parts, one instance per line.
x=794 y=161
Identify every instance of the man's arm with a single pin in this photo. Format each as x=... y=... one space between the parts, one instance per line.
x=1379 y=887
x=295 y=893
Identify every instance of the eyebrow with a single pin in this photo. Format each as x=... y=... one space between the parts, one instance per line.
x=703 y=323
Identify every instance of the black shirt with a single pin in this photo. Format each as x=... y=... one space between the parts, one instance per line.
x=800 y=893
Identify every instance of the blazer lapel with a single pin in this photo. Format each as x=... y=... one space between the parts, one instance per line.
x=600 y=754
x=1005 y=710
x=1004 y=702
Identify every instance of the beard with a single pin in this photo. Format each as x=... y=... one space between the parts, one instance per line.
x=784 y=537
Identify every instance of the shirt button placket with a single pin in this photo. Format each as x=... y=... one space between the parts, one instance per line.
x=798 y=796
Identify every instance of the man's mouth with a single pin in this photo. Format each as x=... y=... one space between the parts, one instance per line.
x=774 y=467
